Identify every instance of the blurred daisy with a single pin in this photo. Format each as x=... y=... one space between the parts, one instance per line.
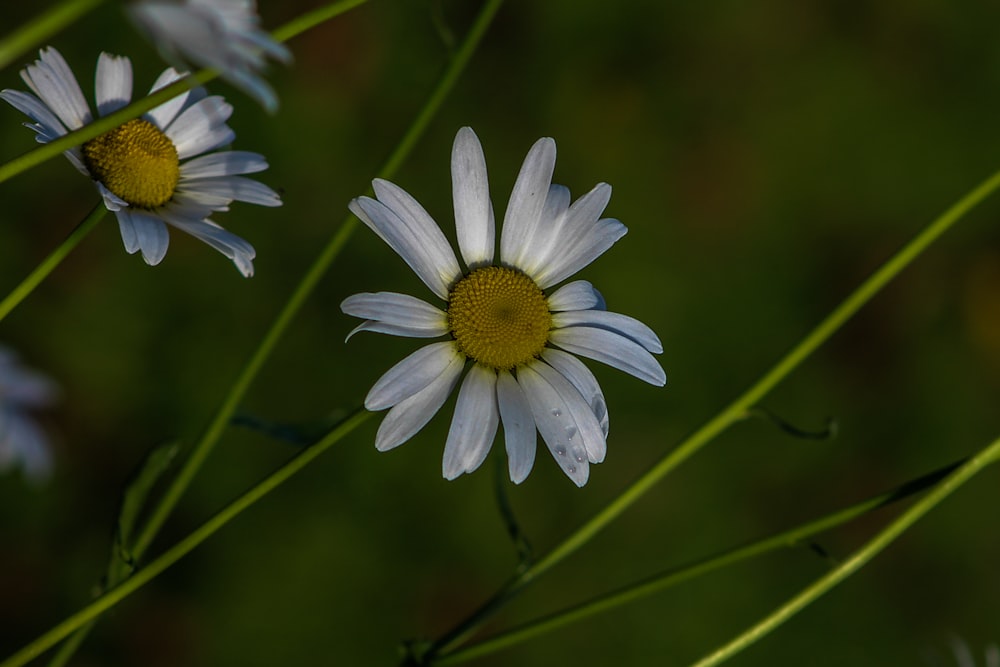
x=520 y=337
x=221 y=34
x=21 y=440
x=142 y=168
x=964 y=658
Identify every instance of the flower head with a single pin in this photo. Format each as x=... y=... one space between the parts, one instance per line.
x=502 y=315
x=146 y=169
x=221 y=34
x=21 y=440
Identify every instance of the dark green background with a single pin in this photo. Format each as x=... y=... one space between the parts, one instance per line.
x=765 y=156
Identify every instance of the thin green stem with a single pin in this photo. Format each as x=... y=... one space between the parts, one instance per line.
x=42 y=27
x=186 y=545
x=732 y=413
x=989 y=454
x=27 y=286
x=101 y=125
x=674 y=576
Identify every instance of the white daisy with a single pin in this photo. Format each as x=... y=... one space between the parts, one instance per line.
x=21 y=440
x=500 y=315
x=142 y=168
x=221 y=34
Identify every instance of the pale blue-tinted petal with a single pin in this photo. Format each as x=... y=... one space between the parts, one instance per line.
x=474 y=425
x=232 y=246
x=567 y=229
x=113 y=83
x=51 y=79
x=129 y=236
x=527 y=201
x=546 y=234
x=474 y=221
x=612 y=349
x=411 y=375
x=556 y=422
x=224 y=163
x=616 y=322
x=25 y=442
x=565 y=262
x=152 y=236
x=518 y=427
x=397 y=314
x=413 y=215
x=111 y=201
x=47 y=126
x=163 y=115
x=412 y=414
x=589 y=428
x=583 y=379
x=577 y=295
x=201 y=127
x=229 y=188
x=424 y=249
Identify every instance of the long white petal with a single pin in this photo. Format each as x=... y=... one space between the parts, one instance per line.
x=577 y=295
x=152 y=236
x=518 y=427
x=612 y=349
x=590 y=430
x=232 y=246
x=229 y=188
x=591 y=245
x=583 y=379
x=556 y=422
x=416 y=218
x=412 y=374
x=390 y=329
x=527 y=201
x=47 y=126
x=127 y=228
x=51 y=79
x=433 y=261
x=474 y=221
x=397 y=310
x=474 y=425
x=163 y=115
x=224 y=163
x=201 y=127
x=616 y=322
x=410 y=415
x=113 y=83
x=544 y=238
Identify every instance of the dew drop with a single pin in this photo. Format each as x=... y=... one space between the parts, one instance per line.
x=570 y=432
x=579 y=458
x=571 y=469
x=556 y=412
x=560 y=450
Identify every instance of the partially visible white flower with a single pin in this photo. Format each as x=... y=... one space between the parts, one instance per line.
x=146 y=169
x=22 y=442
x=504 y=318
x=221 y=34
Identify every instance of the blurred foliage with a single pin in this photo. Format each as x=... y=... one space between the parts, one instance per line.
x=765 y=156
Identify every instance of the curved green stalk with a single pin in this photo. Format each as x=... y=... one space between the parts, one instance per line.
x=989 y=454
x=42 y=27
x=732 y=413
x=667 y=579
x=182 y=548
x=20 y=293
x=101 y=125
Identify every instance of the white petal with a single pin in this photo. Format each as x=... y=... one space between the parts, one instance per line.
x=474 y=425
x=547 y=233
x=577 y=295
x=388 y=328
x=424 y=249
x=46 y=125
x=224 y=163
x=589 y=246
x=232 y=246
x=163 y=115
x=400 y=311
x=201 y=127
x=591 y=431
x=152 y=236
x=518 y=427
x=412 y=374
x=28 y=444
x=580 y=377
x=612 y=349
x=616 y=322
x=557 y=422
x=527 y=201
x=51 y=79
x=229 y=188
x=471 y=196
x=111 y=201
x=410 y=415
x=129 y=236
x=113 y=83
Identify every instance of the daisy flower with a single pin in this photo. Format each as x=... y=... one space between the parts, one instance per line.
x=221 y=34
x=502 y=316
x=21 y=440
x=146 y=169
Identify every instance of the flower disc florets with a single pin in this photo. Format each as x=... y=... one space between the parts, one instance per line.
x=136 y=161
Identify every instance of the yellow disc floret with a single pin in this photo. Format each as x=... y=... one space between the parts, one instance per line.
x=136 y=161
x=499 y=317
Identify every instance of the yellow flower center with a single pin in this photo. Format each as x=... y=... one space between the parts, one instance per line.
x=136 y=161
x=499 y=317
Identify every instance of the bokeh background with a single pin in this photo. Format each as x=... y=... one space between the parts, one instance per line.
x=765 y=156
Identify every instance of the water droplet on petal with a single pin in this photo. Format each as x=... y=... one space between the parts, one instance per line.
x=556 y=412
x=560 y=450
x=571 y=469
x=579 y=458
x=570 y=432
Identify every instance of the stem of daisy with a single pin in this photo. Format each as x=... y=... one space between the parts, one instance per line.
x=667 y=579
x=733 y=412
x=989 y=454
x=19 y=293
x=135 y=109
x=42 y=27
x=186 y=545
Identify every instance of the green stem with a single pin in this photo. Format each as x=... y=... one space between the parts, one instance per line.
x=101 y=125
x=672 y=577
x=989 y=454
x=733 y=412
x=42 y=27
x=20 y=293
x=186 y=545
